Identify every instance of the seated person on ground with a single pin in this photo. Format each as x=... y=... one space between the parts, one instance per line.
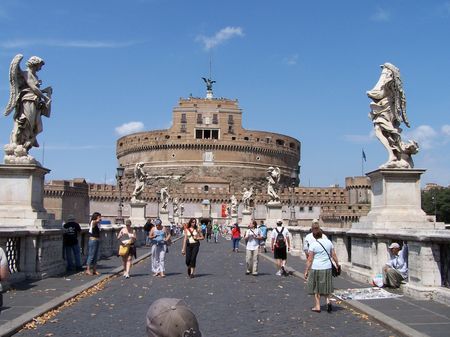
x=396 y=269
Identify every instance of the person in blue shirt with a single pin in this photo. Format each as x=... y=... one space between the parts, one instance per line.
x=159 y=236
x=262 y=242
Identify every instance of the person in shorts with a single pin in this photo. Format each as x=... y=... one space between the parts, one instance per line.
x=281 y=244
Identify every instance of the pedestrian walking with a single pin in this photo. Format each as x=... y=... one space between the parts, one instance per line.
x=281 y=244
x=203 y=228
x=208 y=231
x=236 y=237
x=320 y=280
x=70 y=243
x=262 y=243
x=160 y=237
x=191 y=245
x=127 y=237
x=216 y=231
x=252 y=237
x=93 y=244
x=147 y=228
x=4 y=273
x=309 y=238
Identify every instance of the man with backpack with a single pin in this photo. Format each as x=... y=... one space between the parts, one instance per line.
x=281 y=244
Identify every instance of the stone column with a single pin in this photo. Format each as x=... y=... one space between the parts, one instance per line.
x=138 y=214
x=246 y=217
x=274 y=212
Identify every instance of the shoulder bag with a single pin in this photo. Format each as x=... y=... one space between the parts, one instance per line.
x=335 y=268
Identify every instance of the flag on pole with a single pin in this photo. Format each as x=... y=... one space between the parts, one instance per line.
x=364 y=155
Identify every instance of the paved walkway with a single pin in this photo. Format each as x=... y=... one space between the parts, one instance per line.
x=226 y=301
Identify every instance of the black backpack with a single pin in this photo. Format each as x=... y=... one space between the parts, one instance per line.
x=280 y=241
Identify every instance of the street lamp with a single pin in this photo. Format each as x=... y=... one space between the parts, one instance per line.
x=158 y=196
x=293 y=183
x=119 y=175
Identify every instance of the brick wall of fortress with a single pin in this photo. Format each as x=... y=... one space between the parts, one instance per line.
x=239 y=156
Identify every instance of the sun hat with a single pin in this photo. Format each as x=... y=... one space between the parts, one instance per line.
x=394 y=245
x=157 y=222
x=171 y=317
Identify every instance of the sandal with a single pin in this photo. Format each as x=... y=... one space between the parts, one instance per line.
x=316 y=310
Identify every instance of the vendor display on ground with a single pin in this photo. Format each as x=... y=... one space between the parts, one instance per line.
x=359 y=294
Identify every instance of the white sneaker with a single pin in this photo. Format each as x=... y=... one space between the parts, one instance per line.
x=278 y=273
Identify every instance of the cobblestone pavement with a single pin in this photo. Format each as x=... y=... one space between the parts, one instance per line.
x=226 y=301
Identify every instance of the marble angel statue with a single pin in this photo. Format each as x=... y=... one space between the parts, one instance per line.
x=29 y=103
x=233 y=204
x=388 y=112
x=247 y=197
x=273 y=178
x=165 y=196
x=140 y=178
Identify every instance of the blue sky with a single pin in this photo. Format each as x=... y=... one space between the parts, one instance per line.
x=299 y=68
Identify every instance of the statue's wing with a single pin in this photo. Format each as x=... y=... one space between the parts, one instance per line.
x=15 y=79
x=204 y=79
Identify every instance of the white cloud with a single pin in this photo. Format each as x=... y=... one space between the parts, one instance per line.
x=220 y=37
x=446 y=130
x=358 y=139
x=131 y=127
x=425 y=135
x=380 y=15
x=291 y=60
x=24 y=43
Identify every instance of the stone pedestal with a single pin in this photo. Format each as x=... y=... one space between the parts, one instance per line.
x=36 y=235
x=396 y=201
x=138 y=213
x=164 y=216
x=246 y=217
x=395 y=212
x=22 y=198
x=234 y=218
x=274 y=212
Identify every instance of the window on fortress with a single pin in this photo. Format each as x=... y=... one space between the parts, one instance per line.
x=292 y=145
x=183 y=128
x=199 y=119
x=206 y=134
x=230 y=129
x=245 y=138
x=230 y=119
x=310 y=208
x=206 y=188
x=280 y=142
x=183 y=118
x=302 y=209
x=215 y=119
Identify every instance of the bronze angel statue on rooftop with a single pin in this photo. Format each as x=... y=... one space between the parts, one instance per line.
x=388 y=112
x=29 y=103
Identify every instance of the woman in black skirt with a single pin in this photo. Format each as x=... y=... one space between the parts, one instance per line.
x=191 y=245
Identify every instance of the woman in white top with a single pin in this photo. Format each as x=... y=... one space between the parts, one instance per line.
x=320 y=281
x=191 y=245
x=127 y=237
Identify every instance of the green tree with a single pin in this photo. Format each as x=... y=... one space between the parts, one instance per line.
x=437 y=201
